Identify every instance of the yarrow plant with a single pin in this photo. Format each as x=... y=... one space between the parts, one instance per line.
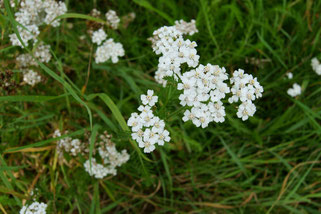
x=107 y=49
x=34 y=13
x=203 y=87
x=148 y=129
x=26 y=61
x=30 y=77
x=111 y=158
x=69 y=145
x=107 y=151
x=112 y=19
x=34 y=208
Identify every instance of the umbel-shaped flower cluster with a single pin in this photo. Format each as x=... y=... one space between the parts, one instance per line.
x=203 y=87
x=24 y=61
x=31 y=15
x=110 y=157
x=34 y=13
x=34 y=208
x=108 y=49
x=148 y=129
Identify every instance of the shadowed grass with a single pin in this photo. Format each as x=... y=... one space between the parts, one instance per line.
x=268 y=164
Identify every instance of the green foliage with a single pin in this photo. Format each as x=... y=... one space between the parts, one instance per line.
x=268 y=164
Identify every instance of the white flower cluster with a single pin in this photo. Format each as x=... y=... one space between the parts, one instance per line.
x=97 y=170
x=109 y=50
x=112 y=19
x=203 y=87
x=186 y=27
x=148 y=129
x=31 y=78
x=246 y=89
x=316 y=66
x=69 y=145
x=295 y=90
x=34 y=13
x=175 y=51
x=99 y=36
x=41 y=53
x=111 y=159
x=34 y=208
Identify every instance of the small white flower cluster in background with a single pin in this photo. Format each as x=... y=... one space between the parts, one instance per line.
x=148 y=129
x=109 y=50
x=186 y=27
x=316 y=66
x=31 y=78
x=99 y=36
x=246 y=89
x=34 y=13
x=203 y=87
x=69 y=145
x=295 y=90
x=96 y=170
x=112 y=19
x=34 y=208
x=41 y=53
x=111 y=158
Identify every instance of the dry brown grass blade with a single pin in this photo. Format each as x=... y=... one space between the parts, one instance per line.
x=2 y=209
x=288 y=176
x=11 y=192
x=283 y=189
x=214 y=205
x=248 y=199
x=40 y=149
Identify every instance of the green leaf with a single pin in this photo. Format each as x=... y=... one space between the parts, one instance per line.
x=148 y=6
x=31 y=98
x=79 y=16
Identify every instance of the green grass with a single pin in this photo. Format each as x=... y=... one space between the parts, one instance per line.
x=268 y=164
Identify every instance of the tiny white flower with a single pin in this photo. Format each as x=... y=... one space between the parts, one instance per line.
x=148 y=147
x=163 y=137
x=149 y=99
x=246 y=110
x=151 y=136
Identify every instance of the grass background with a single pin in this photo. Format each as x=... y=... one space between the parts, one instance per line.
x=268 y=164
